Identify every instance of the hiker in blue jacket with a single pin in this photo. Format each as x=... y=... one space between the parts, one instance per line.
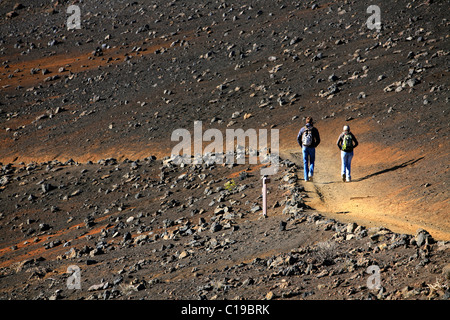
x=308 y=138
x=346 y=143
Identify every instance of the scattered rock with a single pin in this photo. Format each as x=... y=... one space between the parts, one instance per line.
x=446 y=272
x=44 y=227
x=422 y=237
x=11 y=14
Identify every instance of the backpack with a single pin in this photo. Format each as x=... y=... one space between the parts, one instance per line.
x=347 y=143
x=307 y=137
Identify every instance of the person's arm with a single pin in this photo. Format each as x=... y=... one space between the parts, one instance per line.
x=299 y=137
x=355 y=141
x=339 y=142
x=317 y=138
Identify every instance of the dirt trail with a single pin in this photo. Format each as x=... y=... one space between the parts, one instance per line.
x=375 y=197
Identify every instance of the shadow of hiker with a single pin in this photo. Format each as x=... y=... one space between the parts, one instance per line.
x=403 y=165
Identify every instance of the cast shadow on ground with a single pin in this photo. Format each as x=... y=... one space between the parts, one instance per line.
x=403 y=165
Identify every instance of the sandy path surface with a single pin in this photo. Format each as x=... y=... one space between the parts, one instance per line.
x=378 y=193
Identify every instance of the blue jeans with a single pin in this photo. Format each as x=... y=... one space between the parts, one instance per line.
x=346 y=158
x=309 y=156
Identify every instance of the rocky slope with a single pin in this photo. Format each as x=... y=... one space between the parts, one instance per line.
x=134 y=233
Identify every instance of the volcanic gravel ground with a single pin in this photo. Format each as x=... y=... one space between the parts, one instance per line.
x=86 y=123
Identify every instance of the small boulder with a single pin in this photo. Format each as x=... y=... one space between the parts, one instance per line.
x=423 y=237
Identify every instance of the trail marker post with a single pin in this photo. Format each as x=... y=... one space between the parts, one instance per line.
x=266 y=180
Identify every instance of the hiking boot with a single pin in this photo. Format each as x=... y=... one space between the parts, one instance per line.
x=311 y=178
x=343 y=178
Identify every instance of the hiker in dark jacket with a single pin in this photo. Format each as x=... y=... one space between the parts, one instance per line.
x=308 y=138
x=346 y=143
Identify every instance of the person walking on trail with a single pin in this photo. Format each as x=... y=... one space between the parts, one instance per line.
x=308 y=138
x=347 y=143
